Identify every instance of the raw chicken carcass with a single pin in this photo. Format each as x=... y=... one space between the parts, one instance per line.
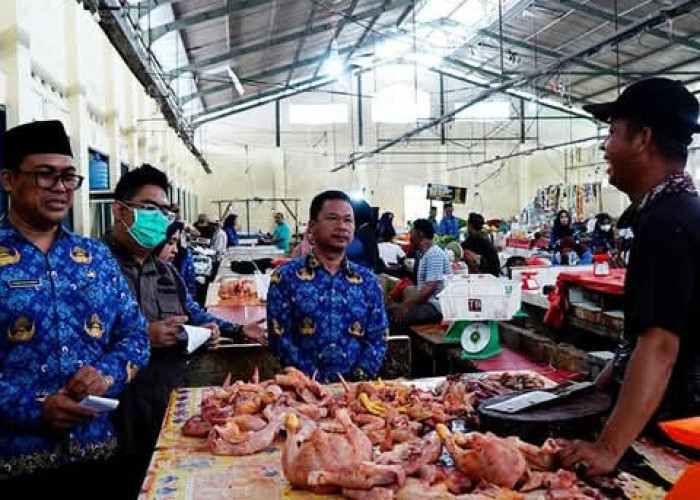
x=362 y=476
x=196 y=426
x=322 y=452
x=413 y=454
x=230 y=440
x=485 y=457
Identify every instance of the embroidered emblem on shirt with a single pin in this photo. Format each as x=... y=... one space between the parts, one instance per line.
x=353 y=278
x=8 y=257
x=307 y=326
x=356 y=329
x=131 y=371
x=276 y=328
x=93 y=327
x=275 y=277
x=313 y=262
x=305 y=274
x=80 y=255
x=91 y=274
x=22 y=330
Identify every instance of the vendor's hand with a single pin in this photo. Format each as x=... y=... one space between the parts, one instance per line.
x=87 y=380
x=257 y=330
x=214 y=341
x=470 y=258
x=163 y=333
x=61 y=413
x=590 y=459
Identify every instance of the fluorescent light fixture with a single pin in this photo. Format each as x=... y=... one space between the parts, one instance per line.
x=215 y=70
x=236 y=82
x=334 y=66
x=357 y=195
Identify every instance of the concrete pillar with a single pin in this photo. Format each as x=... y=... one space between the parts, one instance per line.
x=16 y=64
x=112 y=116
x=77 y=107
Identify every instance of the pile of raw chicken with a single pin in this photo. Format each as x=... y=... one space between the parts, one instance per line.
x=380 y=440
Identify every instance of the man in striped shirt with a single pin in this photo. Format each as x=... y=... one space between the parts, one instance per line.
x=432 y=268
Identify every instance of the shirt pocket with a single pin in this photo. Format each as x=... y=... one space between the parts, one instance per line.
x=93 y=299
x=24 y=306
x=168 y=299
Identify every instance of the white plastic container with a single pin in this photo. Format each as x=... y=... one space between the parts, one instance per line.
x=479 y=297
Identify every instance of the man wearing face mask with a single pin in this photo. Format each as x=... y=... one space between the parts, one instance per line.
x=142 y=213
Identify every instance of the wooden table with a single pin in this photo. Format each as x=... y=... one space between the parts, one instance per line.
x=183 y=468
x=432 y=353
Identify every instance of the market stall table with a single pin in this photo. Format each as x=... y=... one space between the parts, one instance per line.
x=183 y=468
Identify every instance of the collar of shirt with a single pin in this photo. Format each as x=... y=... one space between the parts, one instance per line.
x=9 y=229
x=125 y=259
x=312 y=262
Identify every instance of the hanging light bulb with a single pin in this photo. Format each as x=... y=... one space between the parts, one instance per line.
x=334 y=64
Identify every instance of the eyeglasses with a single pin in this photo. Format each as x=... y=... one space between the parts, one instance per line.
x=148 y=206
x=47 y=179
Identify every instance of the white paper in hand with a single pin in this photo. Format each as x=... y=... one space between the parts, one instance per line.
x=99 y=404
x=196 y=336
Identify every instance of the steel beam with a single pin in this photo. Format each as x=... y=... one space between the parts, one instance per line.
x=255 y=101
x=289 y=37
x=662 y=15
x=605 y=15
x=547 y=52
x=187 y=21
x=300 y=45
x=338 y=30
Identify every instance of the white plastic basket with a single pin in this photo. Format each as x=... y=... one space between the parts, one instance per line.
x=479 y=297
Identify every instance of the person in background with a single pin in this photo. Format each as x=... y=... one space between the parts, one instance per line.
x=142 y=214
x=230 y=223
x=364 y=249
x=566 y=254
x=603 y=238
x=449 y=225
x=326 y=314
x=70 y=327
x=385 y=227
x=432 y=218
x=479 y=252
x=560 y=229
x=204 y=227
x=304 y=246
x=392 y=255
x=219 y=241
x=432 y=269
x=189 y=230
x=657 y=363
x=281 y=234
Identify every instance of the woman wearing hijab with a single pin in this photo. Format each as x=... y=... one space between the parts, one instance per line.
x=603 y=239
x=561 y=228
x=182 y=261
x=363 y=249
x=385 y=227
x=229 y=228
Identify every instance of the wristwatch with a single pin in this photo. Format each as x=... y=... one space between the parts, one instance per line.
x=358 y=374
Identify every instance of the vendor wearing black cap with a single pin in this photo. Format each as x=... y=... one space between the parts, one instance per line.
x=658 y=360
x=69 y=327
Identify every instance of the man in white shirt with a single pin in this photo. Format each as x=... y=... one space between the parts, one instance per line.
x=391 y=253
x=219 y=240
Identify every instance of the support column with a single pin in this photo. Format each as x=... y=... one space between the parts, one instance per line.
x=112 y=117
x=16 y=64
x=79 y=121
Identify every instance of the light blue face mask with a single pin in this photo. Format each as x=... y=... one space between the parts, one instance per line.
x=149 y=227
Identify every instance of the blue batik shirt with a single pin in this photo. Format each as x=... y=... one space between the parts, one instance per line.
x=449 y=226
x=332 y=324
x=60 y=311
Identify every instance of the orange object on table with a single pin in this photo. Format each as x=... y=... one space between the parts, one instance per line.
x=685 y=431
x=688 y=486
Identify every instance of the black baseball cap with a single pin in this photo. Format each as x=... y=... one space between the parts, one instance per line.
x=661 y=103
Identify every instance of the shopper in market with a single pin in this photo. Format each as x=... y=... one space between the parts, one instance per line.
x=424 y=308
x=449 y=224
x=70 y=324
x=281 y=235
x=560 y=229
x=141 y=214
x=326 y=314
x=204 y=227
x=479 y=253
x=231 y=229
x=364 y=247
x=603 y=237
x=658 y=361
x=385 y=227
x=432 y=218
